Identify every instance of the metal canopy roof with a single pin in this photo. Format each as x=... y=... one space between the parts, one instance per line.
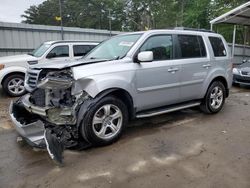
x=237 y=16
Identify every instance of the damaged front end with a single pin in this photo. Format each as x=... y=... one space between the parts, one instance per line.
x=47 y=116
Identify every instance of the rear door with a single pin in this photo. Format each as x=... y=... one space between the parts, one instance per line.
x=195 y=65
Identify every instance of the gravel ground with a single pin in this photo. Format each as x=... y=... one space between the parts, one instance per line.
x=181 y=149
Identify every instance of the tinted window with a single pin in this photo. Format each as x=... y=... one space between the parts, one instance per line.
x=218 y=46
x=59 y=51
x=191 y=46
x=81 y=50
x=161 y=46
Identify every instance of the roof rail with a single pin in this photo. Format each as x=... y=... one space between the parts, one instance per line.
x=75 y=41
x=193 y=29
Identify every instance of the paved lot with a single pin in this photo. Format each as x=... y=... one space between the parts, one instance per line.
x=181 y=149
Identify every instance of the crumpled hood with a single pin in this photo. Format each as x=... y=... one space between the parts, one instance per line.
x=59 y=64
x=16 y=58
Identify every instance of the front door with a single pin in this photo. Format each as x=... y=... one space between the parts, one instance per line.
x=157 y=81
x=58 y=53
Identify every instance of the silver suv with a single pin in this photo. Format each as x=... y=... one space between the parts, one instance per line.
x=135 y=75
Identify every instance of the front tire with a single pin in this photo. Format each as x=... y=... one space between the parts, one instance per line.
x=214 y=99
x=104 y=122
x=13 y=85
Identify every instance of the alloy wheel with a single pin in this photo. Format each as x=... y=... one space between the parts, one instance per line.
x=107 y=121
x=16 y=86
x=216 y=97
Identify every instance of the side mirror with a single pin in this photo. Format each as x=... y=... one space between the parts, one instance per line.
x=51 y=55
x=146 y=56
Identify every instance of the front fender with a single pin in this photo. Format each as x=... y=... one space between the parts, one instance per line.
x=8 y=70
x=94 y=86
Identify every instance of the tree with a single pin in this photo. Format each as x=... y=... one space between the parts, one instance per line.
x=77 y=13
x=197 y=14
x=44 y=13
x=134 y=15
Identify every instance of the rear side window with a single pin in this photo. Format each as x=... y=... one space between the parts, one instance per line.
x=218 y=47
x=81 y=50
x=191 y=46
x=160 y=45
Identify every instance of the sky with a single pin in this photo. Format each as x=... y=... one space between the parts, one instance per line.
x=11 y=10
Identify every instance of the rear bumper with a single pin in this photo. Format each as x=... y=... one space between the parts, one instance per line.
x=31 y=130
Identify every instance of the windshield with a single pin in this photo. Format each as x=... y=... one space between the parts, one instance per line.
x=114 y=48
x=38 y=52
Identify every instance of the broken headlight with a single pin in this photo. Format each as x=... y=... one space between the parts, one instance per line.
x=56 y=80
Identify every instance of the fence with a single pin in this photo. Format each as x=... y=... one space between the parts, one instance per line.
x=241 y=52
x=16 y=38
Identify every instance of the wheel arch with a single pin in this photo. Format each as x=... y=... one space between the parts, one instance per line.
x=10 y=74
x=8 y=71
x=124 y=96
x=223 y=81
x=117 y=92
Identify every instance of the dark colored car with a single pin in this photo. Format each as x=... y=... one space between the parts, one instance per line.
x=241 y=74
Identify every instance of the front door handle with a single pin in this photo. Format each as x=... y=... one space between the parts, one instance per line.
x=173 y=70
x=206 y=66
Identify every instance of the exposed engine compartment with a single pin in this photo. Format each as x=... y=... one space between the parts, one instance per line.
x=53 y=93
x=48 y=114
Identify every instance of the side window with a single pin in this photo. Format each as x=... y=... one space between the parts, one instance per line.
x=59 y=51
x=218 y=47
x=160 y=45
x=82 y=50
x=191 y=46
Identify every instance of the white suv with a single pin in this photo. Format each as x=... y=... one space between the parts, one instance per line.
x=13 y=68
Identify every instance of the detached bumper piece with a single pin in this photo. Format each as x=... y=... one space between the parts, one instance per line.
x=54 y=147
x=39 y=133
x=28 y=125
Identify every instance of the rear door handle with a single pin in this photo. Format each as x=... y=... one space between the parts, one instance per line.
x=173 y=70
x=206 y=66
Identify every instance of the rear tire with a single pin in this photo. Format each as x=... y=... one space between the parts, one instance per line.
x=214 y=99
x=13 y=85
x=104 y=122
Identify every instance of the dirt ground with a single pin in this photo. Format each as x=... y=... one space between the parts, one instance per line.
x=181 y=149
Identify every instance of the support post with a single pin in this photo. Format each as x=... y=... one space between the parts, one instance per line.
x=233 y=44
x=211 y=27
x=60 y=8
x=245 y=38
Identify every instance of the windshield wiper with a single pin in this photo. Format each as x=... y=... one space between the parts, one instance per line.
x=115 y=58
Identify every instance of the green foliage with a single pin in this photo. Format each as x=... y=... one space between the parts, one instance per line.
x=134 y=15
